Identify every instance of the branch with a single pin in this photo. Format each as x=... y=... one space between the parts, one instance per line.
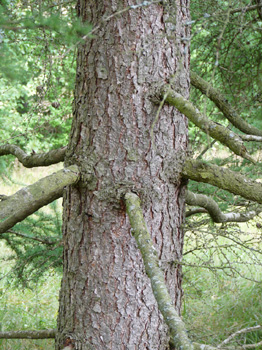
x=42 y=334
x=44 y=241
x=178 y=334
x=251 y=138
x=214 y=211
x=251 y=346
x=34 y=160
x=245 y=9
x=194 y=211
x=217 y=131
x=223 y=178
x=222 y=103
x=29 y=199
x=241 y=331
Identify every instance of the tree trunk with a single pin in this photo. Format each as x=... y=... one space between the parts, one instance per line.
x=106 y=300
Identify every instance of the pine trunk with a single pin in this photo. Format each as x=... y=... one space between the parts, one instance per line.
x=120 y=143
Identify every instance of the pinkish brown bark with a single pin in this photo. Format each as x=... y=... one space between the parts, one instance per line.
x=106 y=300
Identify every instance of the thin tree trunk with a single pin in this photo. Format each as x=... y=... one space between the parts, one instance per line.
x=106 y=301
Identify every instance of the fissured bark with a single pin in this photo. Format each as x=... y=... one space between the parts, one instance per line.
x=106 y=300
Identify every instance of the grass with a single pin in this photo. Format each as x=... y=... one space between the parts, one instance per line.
x=20 y=308
x=217 y=304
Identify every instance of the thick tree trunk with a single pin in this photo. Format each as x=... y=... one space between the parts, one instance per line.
x=106 y=301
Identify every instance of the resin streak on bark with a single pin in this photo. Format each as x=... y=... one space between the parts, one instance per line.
x=106 y=301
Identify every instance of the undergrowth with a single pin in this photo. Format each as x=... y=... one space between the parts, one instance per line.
x=216 y=303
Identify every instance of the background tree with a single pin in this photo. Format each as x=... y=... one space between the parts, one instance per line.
x=156 y=142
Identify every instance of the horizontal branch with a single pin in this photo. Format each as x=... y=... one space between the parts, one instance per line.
x=223 y=178
x=29 y=199
x=214 y=211
x=194 y=211
x=246 y=9
x=251 y=138
x=251 y=346
x=221 y=102
x=44 y=241
x=36 y=159
x=42 y=334
x=217 y=131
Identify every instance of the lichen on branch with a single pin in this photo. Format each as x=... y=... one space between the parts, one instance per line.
x=36 y=159
x=223 y=178
x=26 y=201
x=214 y=211
x=218 y=132
x=178 y=334
x=223 y=105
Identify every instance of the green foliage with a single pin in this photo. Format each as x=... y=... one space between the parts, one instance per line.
x=226 y=50
x=22 y=309
x=36 y=246
x=37 y=71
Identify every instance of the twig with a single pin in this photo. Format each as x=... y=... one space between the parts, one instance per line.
x=241 y=331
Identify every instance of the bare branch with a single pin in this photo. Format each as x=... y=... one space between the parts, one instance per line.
x=217 y=131
x=221 y=102
x=29 y=199
x=246 y=9
x=41 y=334
x=241 y=331
x=193 y=211
x=178 y=334
x=214 y=211
x=251 y=138
x=34 y=160
x=252 y=346
x=223 y=178
x=44 y=241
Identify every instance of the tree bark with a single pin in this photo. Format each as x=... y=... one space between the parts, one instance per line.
x=106 y=301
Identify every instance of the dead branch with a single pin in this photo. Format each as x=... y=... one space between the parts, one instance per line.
x=194 y=211
x=214 y=211
x=41 y=334
x=29 y=199
x=221 y=102
x=217 y=131
x=251 y=138
x=177 y=328
x=36 y=159
x=223 y=178
x=246 y=9
x=241 y=331
x=44 y=241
